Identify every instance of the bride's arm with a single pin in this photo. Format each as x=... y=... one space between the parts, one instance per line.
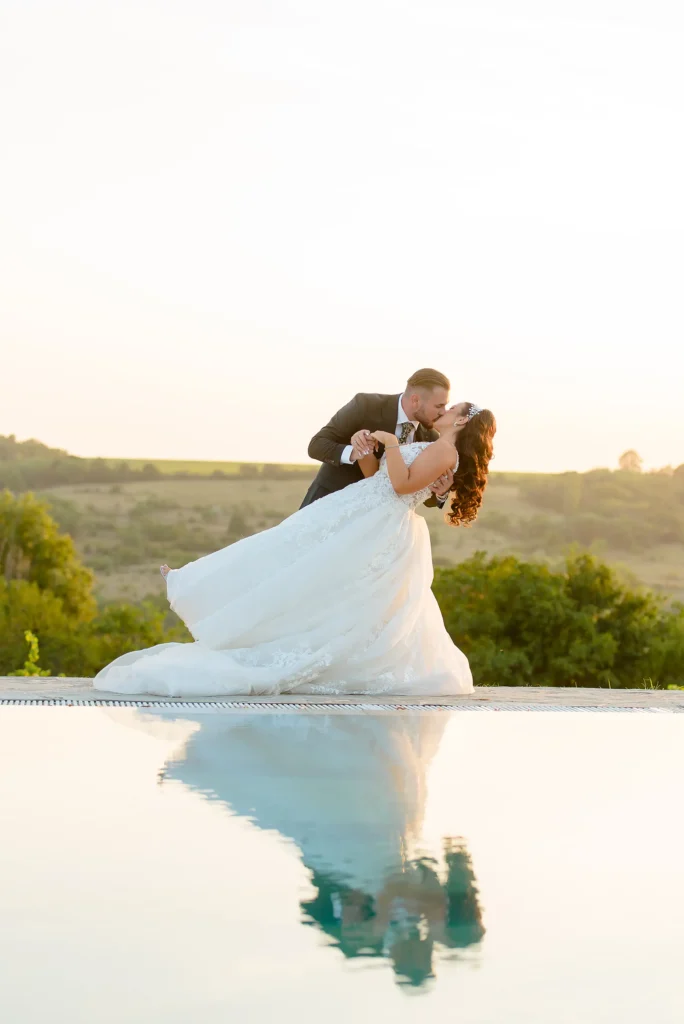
x=369 y=465
x=430 y=464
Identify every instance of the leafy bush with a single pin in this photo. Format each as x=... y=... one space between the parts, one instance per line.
x=522 y=624
x=31 y=665
x=33 y=549
x=46 y=593
x=75 y=648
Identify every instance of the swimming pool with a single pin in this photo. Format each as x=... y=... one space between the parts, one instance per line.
x=166 y=866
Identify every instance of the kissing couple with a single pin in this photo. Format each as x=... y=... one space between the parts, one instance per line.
x=337 y=598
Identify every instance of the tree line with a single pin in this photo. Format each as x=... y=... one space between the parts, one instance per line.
x=622 y=510
x=31 y=465
x=625 y=510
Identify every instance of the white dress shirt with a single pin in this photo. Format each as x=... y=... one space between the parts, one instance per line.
x=401 y=418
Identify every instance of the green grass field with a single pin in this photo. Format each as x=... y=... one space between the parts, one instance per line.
x=168 y=467
x=125 y=531
x=127 y=516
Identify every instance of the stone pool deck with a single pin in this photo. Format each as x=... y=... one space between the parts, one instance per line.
x=514 y=698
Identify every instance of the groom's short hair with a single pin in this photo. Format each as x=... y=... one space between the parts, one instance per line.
x=427 y=379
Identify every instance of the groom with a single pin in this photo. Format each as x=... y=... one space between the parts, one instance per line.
x=410 y=416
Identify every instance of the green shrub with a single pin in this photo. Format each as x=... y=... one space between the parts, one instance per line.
x=522 y=624
x=46 y=593
x=33 y=549
x=31 y=666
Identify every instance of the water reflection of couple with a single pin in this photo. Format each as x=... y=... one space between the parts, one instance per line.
x=350 y=791
x=417 y=907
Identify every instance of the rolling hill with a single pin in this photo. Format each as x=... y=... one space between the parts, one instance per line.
x=128 y=517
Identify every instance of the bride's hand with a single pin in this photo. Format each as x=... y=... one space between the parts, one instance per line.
x=384 y=437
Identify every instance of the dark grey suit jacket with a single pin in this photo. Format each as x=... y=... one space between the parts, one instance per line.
x=372 y=412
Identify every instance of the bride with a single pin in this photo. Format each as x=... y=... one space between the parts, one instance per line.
x=334 y=600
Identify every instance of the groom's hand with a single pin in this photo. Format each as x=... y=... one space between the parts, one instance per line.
x=441 y=486
x=363 y=444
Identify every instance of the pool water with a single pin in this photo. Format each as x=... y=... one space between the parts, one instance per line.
x=486 y=867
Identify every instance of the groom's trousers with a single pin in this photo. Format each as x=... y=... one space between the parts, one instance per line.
x=314 y=493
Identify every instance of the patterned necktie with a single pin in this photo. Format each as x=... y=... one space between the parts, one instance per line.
x=406 y=430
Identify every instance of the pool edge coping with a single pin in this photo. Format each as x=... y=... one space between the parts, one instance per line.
x=79 y=691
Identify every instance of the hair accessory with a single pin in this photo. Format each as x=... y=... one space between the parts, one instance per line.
x=474 y=409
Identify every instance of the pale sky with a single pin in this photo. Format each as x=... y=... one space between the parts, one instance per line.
x=220 y=220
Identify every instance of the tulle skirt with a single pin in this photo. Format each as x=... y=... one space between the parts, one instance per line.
x=337 y=599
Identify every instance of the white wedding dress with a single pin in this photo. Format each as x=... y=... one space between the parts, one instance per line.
x=334 y=600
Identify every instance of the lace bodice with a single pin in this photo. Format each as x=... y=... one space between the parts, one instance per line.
x=409 y=453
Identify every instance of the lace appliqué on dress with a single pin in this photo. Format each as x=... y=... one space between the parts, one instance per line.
x=409 y=453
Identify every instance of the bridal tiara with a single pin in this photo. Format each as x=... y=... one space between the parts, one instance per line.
x=474 y=409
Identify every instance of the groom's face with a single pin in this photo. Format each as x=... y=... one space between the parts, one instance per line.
x=430 y=405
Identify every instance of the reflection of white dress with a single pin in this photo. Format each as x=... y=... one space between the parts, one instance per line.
x=334 y=600
x=348 y=789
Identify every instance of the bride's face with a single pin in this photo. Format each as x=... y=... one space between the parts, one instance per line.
x=455 y=416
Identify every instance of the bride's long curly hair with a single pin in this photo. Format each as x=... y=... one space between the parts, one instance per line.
x=474 y=446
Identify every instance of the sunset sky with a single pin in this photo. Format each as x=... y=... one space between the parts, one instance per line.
x=219 y=219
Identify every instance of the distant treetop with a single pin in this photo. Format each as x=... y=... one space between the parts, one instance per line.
x=11 y=449
x=631 y=462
